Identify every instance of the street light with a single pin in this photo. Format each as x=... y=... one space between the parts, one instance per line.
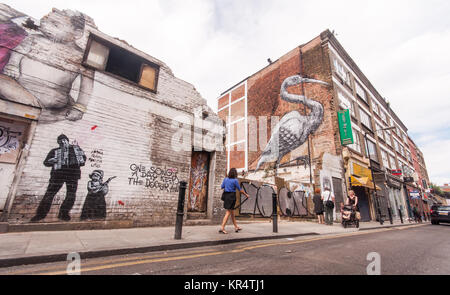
x=371 y=171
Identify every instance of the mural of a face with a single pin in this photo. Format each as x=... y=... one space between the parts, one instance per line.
x=62 y=26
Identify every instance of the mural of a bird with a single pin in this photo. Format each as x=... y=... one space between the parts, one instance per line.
x=293 y=129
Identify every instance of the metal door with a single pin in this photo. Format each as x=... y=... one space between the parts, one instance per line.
x=363 y=203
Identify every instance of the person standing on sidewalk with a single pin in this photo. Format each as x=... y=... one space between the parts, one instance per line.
x=229 y=185
x=328 y=202
x=318 y=205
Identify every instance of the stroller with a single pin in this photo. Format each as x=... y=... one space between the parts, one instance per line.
x=349 y=216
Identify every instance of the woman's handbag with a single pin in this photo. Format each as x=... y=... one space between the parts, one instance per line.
x=358 y=215
x=223 y=196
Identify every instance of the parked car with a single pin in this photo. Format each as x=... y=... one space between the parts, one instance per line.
x=440 y=213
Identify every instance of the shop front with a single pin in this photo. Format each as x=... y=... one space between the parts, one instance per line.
x=398 y=204
x=361 y=182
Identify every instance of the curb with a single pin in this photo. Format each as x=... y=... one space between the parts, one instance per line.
x=9 y=262
x=390 y=226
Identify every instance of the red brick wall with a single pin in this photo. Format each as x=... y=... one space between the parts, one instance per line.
x=264 y=97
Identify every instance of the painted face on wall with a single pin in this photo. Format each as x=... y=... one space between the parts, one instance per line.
x=61 y=27
x=64 y=142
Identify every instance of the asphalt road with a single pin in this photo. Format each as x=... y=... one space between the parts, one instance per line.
x=418 y=250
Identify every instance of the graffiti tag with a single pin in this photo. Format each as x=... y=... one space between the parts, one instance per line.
x=96 y=158
x=8 y=140
x=154 y=177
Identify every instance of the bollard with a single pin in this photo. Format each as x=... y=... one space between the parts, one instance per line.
x=390 y=215
x=274 y=213
x=400 y=214
x=180 y=210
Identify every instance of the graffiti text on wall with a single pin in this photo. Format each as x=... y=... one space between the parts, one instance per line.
x=260 y=201
x=8 y=140
x=96 y=158
x=154 y=177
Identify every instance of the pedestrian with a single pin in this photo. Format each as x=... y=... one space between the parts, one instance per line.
x=328 y=202
x=416 y=214
x=229 y=185
x=352 y=200
x=318 y=205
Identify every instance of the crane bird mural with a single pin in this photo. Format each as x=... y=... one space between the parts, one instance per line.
x=293 y=129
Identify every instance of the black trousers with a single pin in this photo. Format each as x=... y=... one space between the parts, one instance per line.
x=53 y=188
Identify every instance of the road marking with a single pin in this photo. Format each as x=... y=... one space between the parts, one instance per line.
x=239 y=250
x=56 y=267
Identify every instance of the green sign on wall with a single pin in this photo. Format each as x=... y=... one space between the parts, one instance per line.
x=345 y=127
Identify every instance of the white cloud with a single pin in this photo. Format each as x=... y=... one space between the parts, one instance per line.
x=401 y=46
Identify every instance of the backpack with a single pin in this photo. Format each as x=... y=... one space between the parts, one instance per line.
x=329 y=204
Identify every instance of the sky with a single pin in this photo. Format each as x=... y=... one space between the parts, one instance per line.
x=401 y=46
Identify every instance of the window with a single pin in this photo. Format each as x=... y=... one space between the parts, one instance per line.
x=346 y=103
x=393 y=163
x=339 y=68
x=383 y=115
x=379 y=130
x=356 y=142
x=360 y=91
x=408 y=155
x=371 y=150
x=387 y=137
x=348 y=79
x=105 y=56
x=375 y=107
x=385 y=158
x=365 y=119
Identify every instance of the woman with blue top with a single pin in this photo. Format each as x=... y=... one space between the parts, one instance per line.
x=230 y=184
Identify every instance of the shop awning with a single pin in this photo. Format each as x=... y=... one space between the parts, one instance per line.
x=363 y=181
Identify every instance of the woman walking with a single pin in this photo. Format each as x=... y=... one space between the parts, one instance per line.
x=318 y=205
x=230 y=184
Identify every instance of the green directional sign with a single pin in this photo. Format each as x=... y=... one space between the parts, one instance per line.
x=345 y=127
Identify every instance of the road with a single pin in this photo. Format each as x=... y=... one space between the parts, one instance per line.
x=417 y=250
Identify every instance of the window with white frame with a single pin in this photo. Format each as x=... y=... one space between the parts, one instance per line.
x=360 y=91
x=379 y=130
x=408 y=155
x=365 y=119
x=348 y=79
x=375 y=107
x=385 y=158
x=396 y=145
x=339 y=68
x=383 y=115
x=356 y=142
x=371 y=150
x=387 y=137
x=393 y=163
x=346 y=103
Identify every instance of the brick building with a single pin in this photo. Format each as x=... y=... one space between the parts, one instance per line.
x=284 y=116
x=79 y=108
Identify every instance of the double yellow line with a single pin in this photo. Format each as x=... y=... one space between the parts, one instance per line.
x=195 y=254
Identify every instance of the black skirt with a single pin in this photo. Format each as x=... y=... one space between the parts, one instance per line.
x=229 y=200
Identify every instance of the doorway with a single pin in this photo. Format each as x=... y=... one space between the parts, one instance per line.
x=198 y=182
x=363 y=202
x=12 y=137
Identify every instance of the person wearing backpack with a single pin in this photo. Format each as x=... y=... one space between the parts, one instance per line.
x=328 y=203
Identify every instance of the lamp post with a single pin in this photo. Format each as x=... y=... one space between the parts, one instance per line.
x=371 y=171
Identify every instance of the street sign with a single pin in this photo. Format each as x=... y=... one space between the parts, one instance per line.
x=345 y=127
x=396 y=172
x=408 y=179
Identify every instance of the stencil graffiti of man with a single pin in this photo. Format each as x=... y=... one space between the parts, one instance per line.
x=65 y=162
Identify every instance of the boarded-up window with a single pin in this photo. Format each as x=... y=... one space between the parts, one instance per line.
x=98 y=55
x=110 y=58
x=148 y=77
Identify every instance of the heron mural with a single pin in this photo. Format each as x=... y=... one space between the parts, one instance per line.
x=294 y=128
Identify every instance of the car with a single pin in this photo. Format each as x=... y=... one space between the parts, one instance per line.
x=440 y=213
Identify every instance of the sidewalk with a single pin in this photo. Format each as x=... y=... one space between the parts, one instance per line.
x=51 y=246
